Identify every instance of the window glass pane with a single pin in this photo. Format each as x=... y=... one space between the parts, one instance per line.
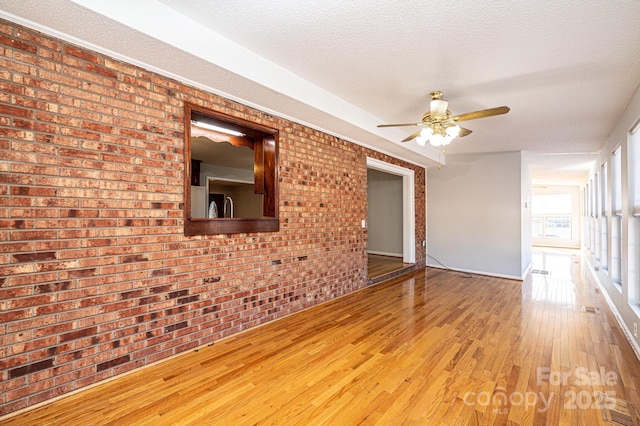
x=596 y=195
x=616 y=180
x=603 y=188
x=634 y=168
x=536 y=223
x=552 y=204
x=558 y=227
x=558 y=203
x=537 y=204
x=592 y=200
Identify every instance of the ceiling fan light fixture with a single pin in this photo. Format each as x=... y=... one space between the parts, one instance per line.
x=439 y=108
x=439 y=126
x=424 y=136
x=437 y=140
x=453 y=131
x=426 y=132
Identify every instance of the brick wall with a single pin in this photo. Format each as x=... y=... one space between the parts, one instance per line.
x=96 y=275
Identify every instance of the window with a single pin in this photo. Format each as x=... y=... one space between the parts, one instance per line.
x=538 y=230
x=616 y=181
x=552 y=216
x=603 y=189
x=634 y=170
x=597 y=213
x=616 y=218
x=592 y=215
x=557 y=227
x=584 y=223
x=616 y=249
x=604 y=222
x=590 y=186
x=231 y=182
x=587 y=217
x=634 y=221
x=595 y=207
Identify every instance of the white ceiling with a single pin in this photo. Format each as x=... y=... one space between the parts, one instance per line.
x=567 y=69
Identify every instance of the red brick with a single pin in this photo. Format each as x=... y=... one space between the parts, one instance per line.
x=30 y=368
x=92 y=197
x=27 y=302
x=51 y=392
x=78 y=314
x=101 y=70
x=31 y=389
x=17 y=44
x=78 y=334
x=53 y=329
x=15 y=111
x=48 y=343
x=34 y=257
x=10 y=316
x=82 y=54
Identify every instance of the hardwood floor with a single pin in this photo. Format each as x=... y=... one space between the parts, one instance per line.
x=379 y=265
x=429 y=347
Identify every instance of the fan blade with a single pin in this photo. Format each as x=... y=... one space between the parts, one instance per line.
x=402 y=124
x=415 y=135
x=481 y=114
x=464 y=132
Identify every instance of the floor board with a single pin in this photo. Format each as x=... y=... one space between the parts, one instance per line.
x=428 y=347
x=379 y=265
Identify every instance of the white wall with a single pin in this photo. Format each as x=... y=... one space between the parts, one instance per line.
x=384 y=201
x=622 y=298
x=475 y=214
x=227 y=173
x=525 y=218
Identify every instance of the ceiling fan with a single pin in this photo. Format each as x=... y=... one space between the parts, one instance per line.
x=439 y=126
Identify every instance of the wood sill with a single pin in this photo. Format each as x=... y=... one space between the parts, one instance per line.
x=195 y=226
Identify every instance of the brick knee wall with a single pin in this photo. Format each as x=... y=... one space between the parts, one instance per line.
x=96 y=275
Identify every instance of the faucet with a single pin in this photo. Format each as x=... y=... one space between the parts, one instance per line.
x=230 y=200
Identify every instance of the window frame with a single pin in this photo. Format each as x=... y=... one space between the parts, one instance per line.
x=265 y=169
x=604 y=187
x=634 y=169
x=616 y=181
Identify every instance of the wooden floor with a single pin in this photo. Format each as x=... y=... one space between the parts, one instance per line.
x=379 y=265
x=427 y=348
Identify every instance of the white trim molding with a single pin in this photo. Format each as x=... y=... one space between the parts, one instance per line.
x=408 y=205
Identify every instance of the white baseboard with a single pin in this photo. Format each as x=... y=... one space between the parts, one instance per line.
x=471 y=271
x=616 y=314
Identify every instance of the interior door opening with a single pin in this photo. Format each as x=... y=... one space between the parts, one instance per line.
x=390 y=218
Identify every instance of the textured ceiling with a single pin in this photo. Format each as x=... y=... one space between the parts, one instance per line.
x=567 y=69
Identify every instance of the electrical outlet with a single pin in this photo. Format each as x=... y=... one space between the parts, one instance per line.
x=635 y=330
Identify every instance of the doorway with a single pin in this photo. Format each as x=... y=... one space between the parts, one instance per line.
x=390 y=218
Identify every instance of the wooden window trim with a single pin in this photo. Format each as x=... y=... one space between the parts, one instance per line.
x=265 y=173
